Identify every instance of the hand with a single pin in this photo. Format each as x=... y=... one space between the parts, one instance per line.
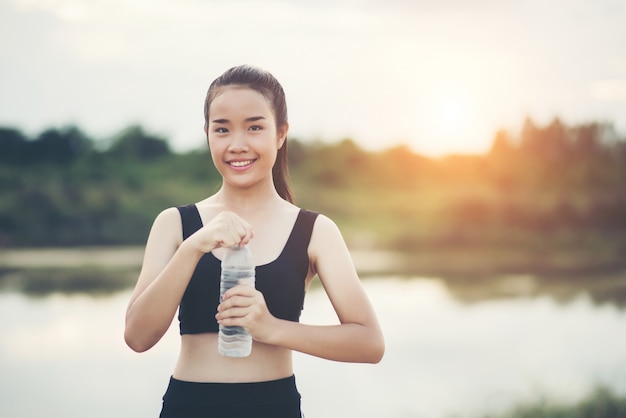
x=227 y=229
x=244 y=306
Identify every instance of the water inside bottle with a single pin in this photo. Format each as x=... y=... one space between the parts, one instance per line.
x=235 y=341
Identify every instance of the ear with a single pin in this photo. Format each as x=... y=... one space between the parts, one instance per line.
x=282 y=134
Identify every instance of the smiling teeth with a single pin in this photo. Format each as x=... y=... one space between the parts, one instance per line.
x=240 y=163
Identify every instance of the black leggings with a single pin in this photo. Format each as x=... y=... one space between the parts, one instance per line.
x=272 y=399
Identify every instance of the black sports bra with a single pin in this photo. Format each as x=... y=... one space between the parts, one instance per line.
x=281 y=281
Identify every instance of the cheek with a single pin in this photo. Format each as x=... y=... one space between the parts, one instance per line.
x=215 y=145
x=216 y=153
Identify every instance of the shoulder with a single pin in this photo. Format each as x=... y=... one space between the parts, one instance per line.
x=323 y=224
x=168 y=223
x=169 y=215
x=325 y=232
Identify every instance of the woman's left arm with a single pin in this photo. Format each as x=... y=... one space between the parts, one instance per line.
x=358 y=337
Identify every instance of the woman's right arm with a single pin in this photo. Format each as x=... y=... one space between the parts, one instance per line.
x=167 y=267
x=168 y=264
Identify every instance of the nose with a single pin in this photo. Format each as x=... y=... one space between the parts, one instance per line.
x=239 y=142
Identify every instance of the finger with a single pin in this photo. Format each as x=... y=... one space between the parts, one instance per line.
x=239 y=290
x=247 y=237
x=245 y=233
x=235 y=302
x=228 y=241
x=234 y=232
x=239 y=225
x=231 y=322
x=227 y=230
x=235 y=235
x=233 y=312
x=227 y=237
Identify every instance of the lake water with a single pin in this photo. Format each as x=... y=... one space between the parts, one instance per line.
x=64 y=355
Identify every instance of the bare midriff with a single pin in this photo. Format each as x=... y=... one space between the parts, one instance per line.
x=199 y=361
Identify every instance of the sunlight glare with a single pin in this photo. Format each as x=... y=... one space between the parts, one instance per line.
x=451 y=115
x=452 y=123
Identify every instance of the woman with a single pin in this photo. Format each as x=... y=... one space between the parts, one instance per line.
x=246 y=127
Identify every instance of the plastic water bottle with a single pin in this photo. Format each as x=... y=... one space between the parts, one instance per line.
x=237 y=269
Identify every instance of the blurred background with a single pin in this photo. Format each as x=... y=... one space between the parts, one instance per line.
x=473 y=154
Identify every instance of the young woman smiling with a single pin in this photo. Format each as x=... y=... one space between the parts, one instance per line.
x=246 y=127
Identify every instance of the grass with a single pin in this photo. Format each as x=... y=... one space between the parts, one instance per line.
x=68 y=280
x=601 y=403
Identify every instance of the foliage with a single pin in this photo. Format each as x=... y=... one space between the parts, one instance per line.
x=550 y=187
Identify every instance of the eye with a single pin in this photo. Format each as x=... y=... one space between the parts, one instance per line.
x=221 y=130
x=255 y=128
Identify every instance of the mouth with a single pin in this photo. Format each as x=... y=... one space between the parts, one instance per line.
x=240 y=163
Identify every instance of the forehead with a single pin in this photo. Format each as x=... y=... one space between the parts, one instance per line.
x=239 y=100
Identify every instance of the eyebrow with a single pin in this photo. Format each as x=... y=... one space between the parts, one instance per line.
x=251 y=119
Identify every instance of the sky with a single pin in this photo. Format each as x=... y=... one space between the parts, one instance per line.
x=441 y=76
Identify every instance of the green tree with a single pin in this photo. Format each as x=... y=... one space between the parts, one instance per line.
x=134 y=144
x=12 y=146
x=59 y=146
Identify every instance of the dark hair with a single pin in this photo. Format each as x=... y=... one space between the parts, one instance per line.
x=266 y=84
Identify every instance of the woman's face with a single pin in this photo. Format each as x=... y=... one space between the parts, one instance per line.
x=242 y=136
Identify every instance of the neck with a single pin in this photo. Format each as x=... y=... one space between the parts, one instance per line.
x=244 y=201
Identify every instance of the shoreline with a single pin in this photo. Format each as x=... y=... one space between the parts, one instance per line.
x=470 y=276
x=430 y=262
